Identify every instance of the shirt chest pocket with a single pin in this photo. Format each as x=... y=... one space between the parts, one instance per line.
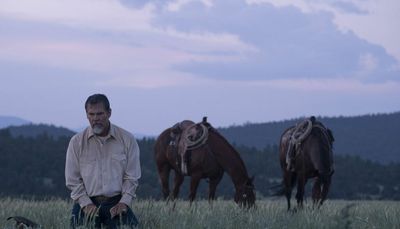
x=87 y=159
x=118 y=162
x=87 y=165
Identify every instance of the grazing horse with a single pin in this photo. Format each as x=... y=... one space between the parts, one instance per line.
x=209 y=160
x=312 y=159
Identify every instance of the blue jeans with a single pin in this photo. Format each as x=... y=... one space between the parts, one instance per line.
x=104 y=216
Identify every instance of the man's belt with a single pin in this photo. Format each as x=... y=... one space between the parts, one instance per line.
x=102 y=199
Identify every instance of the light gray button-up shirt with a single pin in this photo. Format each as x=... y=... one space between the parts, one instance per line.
x=105 y=166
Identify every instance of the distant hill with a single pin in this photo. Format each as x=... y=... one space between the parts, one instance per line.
x=375 y=137
x=33 y=161
x=34 y=130
x=34 y=168
x=6 y=121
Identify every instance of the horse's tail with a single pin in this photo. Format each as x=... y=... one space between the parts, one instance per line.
x=326 y=176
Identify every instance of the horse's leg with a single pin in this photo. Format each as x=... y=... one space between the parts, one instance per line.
x=325 y=190
x=178 y=180
x=194 y=183
x=163 y=171
x=301 y=182
x=316 y=191
x=212 y=186
x=289 y=179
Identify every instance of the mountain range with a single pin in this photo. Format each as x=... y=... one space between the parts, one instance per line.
x=374 y=137
x=6 y=121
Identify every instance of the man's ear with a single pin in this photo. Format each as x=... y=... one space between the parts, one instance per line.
x=109 y=113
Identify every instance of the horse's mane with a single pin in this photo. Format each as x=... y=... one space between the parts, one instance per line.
x=213 y=130
x=166 y=135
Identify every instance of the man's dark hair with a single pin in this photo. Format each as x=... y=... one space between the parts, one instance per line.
x=98 y=98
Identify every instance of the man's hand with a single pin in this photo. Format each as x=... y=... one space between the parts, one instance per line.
x=90 y=210
x=118 y=209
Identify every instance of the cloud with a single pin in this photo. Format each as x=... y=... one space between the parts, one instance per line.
x=290 y=43
x=108 y=39
x=308 y=6
x=155 y=43
x=85 y=14
x=348 y=7
x=368 y=62
x=232 y=60
x=376 y=22
x=178 y=4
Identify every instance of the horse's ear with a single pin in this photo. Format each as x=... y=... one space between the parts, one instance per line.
x=204 y=119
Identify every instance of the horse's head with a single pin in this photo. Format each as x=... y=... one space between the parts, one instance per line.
x=245 y=195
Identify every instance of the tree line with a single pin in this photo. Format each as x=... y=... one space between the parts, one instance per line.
x=374 y=137
x=33 y=166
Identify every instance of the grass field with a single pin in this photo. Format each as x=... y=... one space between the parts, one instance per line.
x=221 y=214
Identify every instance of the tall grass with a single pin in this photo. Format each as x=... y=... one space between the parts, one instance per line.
x=55 y=213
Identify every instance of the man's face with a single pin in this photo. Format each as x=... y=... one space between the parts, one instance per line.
x=98 y=118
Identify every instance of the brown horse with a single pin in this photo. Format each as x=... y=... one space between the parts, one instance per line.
x=313 y=159
x=210 y=160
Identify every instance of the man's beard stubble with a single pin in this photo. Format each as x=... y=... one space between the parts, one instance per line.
x=98 y=129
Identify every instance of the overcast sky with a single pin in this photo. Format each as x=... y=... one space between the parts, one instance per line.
x=235 y=61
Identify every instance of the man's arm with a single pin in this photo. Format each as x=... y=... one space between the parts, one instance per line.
x=73 y=177
x=132 y=174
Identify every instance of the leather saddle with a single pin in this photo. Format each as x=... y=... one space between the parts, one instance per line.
x=186 y=136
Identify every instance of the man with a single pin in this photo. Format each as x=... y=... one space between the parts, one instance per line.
x=102 y=169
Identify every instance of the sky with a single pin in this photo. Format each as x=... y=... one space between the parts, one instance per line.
x=234 y=61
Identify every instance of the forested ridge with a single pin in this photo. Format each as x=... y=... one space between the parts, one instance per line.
x=374 y=137
x=33 y=165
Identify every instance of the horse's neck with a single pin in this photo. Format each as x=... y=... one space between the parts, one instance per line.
x=229 y=159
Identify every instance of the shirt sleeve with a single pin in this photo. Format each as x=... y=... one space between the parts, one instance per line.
x=132 y=173
x=73 y=178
